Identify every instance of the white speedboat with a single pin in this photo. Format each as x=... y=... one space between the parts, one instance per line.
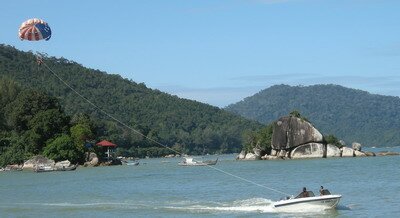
x=189 y=161
x=299 y=203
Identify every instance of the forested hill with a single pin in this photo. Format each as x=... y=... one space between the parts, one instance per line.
x=188 y=125
x=350 y=114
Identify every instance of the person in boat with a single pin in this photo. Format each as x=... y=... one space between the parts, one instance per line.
x=304 y=194
x=323 y=191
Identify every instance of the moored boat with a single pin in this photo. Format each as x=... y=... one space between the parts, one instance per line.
x=69 y=168
x=41 y=168
x=190 y=161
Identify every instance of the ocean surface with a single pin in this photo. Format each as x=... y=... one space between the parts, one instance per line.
x=369 y=186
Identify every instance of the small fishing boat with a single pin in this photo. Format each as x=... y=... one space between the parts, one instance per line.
x=300 y=203
x=42 y=168
x=69 y=168
x=189 y=161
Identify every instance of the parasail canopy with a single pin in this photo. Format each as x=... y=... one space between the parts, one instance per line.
x=34 y=30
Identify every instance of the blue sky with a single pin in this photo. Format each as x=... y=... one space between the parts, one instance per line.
x=218 y=51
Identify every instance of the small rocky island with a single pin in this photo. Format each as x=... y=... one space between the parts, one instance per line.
x=38 y=161
x=296 y=138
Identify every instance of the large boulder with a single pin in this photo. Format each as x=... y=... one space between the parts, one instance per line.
x=61 y=164
x=38 y=160
x=257 y=152
x=91 y=160
x=347 y=152
x=13 y=167
x=251 y=156
x=359 y=153
x=242 y=155
x=282 y=153
x=310 y=150
x=332 y=151
x=356 y=146
x=290 y=132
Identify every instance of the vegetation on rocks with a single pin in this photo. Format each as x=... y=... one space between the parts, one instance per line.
x=262 y=138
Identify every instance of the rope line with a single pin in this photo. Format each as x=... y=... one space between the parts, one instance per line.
x=141 y=134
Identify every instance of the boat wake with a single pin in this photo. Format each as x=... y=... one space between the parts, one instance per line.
x=252 y=205
x=256 y=205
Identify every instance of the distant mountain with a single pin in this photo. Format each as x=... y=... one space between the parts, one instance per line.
x=188 y=125
x=350 y=114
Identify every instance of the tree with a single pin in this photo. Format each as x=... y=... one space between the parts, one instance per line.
x=331 y=139
x=265 y=137
x=46 y=124
x=250 y=140
x=81 y=118
x=295 y=113
x=81 y=133
x=13 y=155
x=27 y=104
x=9 y=90
x=64 y=148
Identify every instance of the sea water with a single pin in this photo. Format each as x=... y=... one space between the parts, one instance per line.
x=369 y=186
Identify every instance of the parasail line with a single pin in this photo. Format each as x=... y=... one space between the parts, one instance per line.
x=141 y=134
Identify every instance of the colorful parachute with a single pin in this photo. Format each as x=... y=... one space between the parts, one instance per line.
x=34 y=29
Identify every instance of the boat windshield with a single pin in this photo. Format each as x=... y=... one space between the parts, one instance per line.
x=305 y=194
x=325 y=192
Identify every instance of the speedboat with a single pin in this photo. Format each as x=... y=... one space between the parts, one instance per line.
x=300 y=203
x=189 y=161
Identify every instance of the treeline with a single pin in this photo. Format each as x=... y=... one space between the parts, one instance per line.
x=349 y=114
x=184 y=125
x=33 y=123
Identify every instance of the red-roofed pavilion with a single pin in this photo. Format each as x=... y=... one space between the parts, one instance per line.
x=107 y=144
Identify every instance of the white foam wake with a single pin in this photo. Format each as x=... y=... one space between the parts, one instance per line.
x=257 y=205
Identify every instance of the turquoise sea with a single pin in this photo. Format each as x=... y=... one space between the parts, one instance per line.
x=160 y=188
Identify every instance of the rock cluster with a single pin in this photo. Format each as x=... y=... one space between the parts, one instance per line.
x=40 y=160
x=91 y=160
x=295 y=138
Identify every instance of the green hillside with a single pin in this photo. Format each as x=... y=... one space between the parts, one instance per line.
x=187 y=125
x=350 y=114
